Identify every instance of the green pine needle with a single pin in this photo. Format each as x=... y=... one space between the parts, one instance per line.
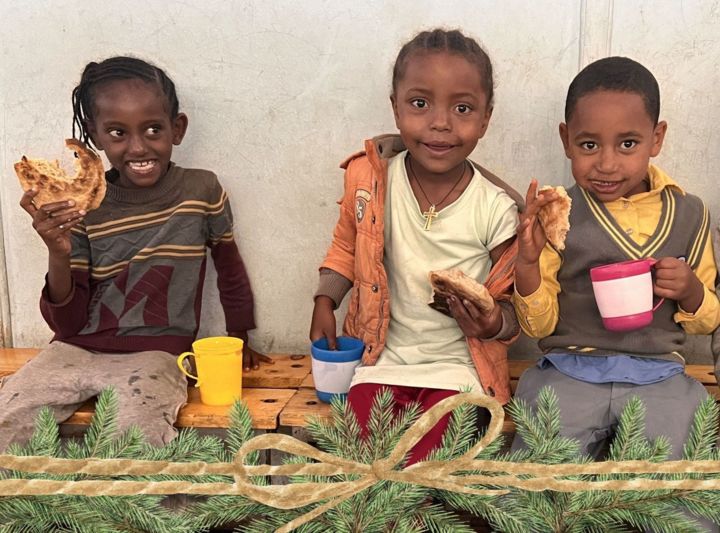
x=103 y=428
x=701 y=442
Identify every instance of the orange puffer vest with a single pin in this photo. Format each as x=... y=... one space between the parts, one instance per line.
x=356 y=253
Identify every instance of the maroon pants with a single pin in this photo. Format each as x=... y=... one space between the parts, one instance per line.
x=362 y=396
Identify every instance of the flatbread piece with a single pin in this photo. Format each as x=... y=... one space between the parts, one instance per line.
x=454 y=282
x=555 y=217
x=87 y=187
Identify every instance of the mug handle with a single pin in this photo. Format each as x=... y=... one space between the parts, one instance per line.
x=180 y=360
x=651 y=261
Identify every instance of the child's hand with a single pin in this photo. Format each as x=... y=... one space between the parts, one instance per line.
x=252 y=359
x=323 y=321
x=531 y=236
x=674 y=279
x=53 y=222
x=472 y=321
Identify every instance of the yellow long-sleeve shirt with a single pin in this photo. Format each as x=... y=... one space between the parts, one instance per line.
x=639 y=215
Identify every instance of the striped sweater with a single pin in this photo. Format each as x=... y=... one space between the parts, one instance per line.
x=138 y=266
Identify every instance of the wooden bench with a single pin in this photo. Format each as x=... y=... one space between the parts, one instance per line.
x=305 y=403
x=266 y=391
x=282 y=395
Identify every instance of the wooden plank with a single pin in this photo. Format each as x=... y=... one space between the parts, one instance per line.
x=264 y=405
x=308 y=382
x=703 y=373
x=713 y=391
x=292 y=371
x=287 y=372
x=518 y=366
x=303 y=404
x=13 y=358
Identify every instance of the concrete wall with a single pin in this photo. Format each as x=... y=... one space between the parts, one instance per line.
x=279 y=92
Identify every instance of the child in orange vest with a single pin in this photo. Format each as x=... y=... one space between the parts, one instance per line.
x=415 y=203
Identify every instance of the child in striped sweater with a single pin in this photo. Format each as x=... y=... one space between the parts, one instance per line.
x=124 y=284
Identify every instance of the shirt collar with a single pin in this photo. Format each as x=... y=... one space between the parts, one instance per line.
x=659 y=181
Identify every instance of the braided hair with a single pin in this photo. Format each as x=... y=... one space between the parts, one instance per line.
x=451 y=41
x=112 y=69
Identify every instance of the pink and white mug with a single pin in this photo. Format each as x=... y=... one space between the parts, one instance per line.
x=624 y=294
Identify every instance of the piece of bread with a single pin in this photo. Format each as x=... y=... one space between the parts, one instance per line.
x=555 y=217
x=86 y=187
x=454 y=282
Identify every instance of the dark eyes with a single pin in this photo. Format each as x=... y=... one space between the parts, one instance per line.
x=152 y=131
x=624 y=145
x=421 y=103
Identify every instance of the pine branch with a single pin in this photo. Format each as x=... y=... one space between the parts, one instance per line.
x=128 y=445
x=45 y=440
x=540 y=432
x=130 y=514
x=629 y=441
x=37 y=515
x=334 y=435
x=224 y=511
x=484 y=507
x=435 y=518
x=384 y=428
x=704 y=431
x=705 y=504
x=460 y=434
x=240 y=431
x=103 y=427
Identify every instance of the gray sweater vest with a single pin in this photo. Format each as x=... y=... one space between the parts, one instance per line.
x=596 y=239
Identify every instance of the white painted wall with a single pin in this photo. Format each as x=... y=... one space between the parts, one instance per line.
x=279 y=92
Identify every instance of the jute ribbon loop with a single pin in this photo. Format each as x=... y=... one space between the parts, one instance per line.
x=464 y=474
x=431 y=474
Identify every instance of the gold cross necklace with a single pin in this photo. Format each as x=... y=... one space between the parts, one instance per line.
x=430 y=214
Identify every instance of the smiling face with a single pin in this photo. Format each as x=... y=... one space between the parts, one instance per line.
x=132 y=125
x=441 y=110
x=609 y=140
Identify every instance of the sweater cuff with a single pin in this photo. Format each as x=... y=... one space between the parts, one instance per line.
x=333 y=285
x=45 y=295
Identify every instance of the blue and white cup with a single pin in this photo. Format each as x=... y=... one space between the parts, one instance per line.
x=333 y=370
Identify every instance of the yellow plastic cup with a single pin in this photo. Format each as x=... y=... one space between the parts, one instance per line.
x=219 y=366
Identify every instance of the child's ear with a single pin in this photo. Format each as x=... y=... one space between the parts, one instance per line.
x=563 y=130
x=658 y=138
x=395 y=109
x=179 y=127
